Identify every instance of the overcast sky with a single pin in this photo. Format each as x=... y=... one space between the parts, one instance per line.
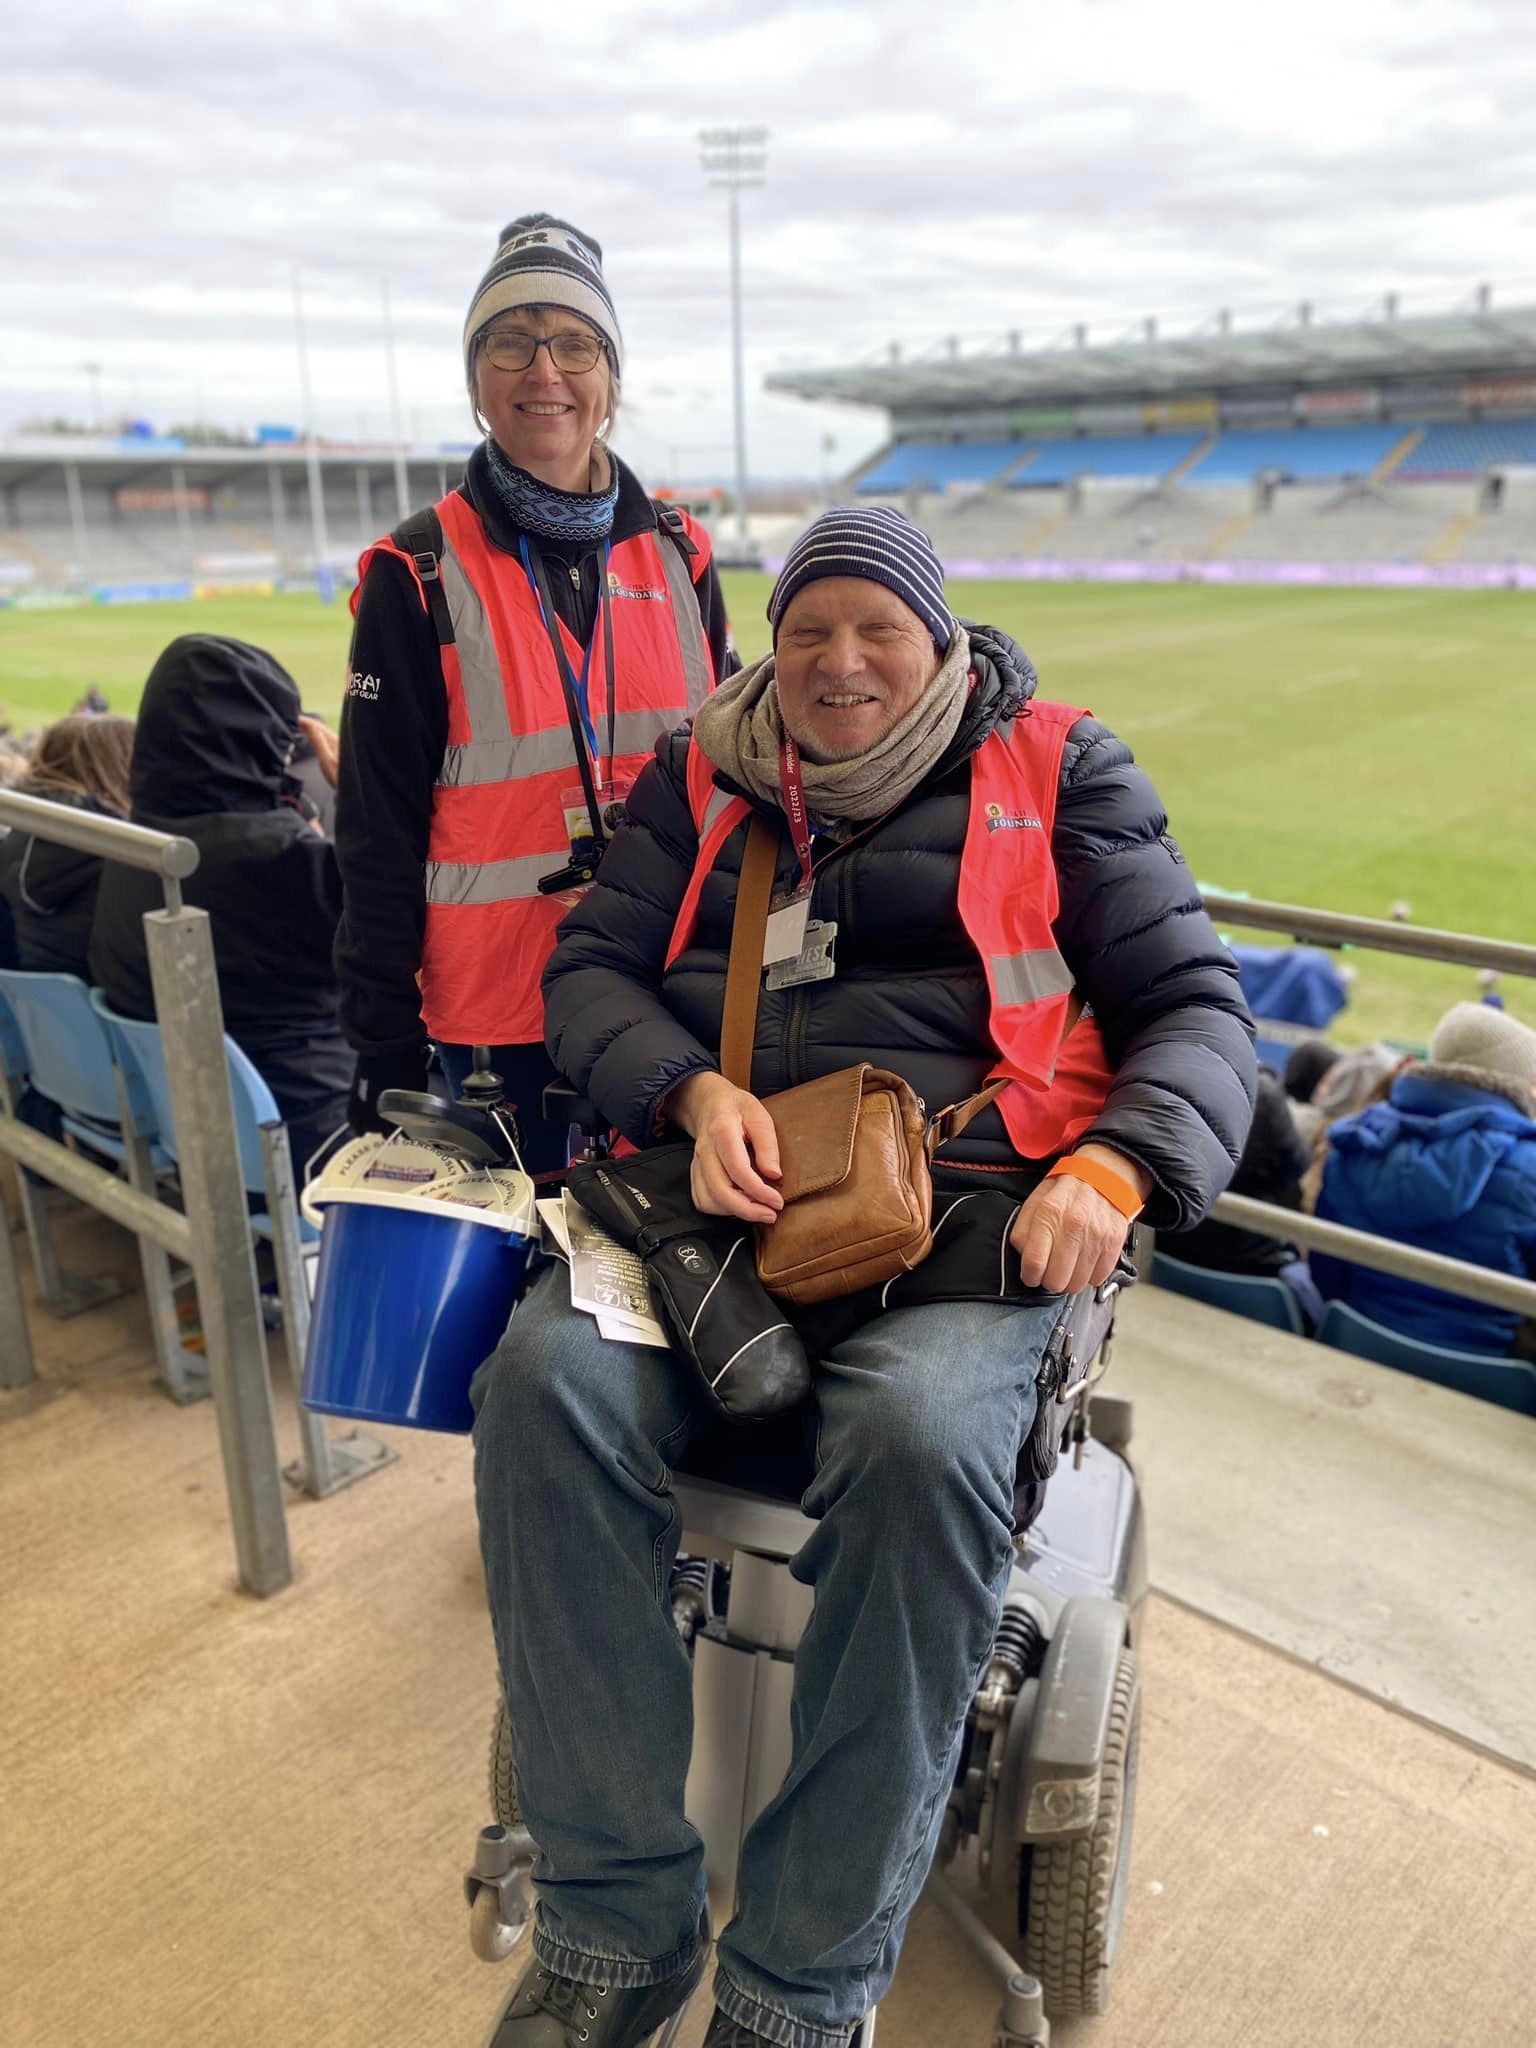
x=932 y=170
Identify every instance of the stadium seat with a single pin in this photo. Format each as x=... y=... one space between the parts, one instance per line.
x=52 y=1040
x=1139 y=458
x=1317 y=454
x=1507 y=1382
x=1260 y=1299
x=262 y=1146
x=933 y=465
x=1463 y=449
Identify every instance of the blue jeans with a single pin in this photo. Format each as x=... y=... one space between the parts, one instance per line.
x=918 y=1421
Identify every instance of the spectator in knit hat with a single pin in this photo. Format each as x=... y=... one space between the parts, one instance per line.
x=963 y=870
x=1447 y=1162
x=518 y=649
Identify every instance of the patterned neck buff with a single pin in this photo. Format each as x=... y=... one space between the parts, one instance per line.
x=550 y=513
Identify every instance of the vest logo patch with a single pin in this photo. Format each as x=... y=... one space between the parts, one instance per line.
x=999 y=820
x=366 y=687
x=617 y=587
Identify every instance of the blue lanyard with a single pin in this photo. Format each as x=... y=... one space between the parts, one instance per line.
x=580 y=683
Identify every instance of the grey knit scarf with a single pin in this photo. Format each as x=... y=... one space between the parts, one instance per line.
x=740 y=727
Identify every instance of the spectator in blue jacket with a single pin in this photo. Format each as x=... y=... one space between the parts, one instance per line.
x=1447 y=1163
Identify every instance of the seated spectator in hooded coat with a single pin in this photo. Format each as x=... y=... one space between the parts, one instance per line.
x=1270 y=1170
x=48 y=889
x=217 y=729
x=1448 y=1163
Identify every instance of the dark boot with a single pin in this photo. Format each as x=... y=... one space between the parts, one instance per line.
x=726 y=2033
x=546 y=2011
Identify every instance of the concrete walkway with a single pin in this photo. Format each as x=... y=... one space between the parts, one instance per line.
x=244 y=1822
x=1369 y=1523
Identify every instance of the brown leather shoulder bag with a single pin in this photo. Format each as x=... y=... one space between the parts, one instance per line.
x=854 y=1146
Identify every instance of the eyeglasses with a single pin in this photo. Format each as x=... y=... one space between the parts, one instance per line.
x=509 y=348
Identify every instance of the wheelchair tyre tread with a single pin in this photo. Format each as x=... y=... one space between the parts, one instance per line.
x=1073 y=1893
x=503 y=1781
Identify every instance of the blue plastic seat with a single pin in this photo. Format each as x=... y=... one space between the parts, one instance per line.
x=60 y=1045
x=141 y=1051
x=1508 y=1382
x=1253 y=1295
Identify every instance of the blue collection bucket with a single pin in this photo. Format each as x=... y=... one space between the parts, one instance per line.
x=410 y=1298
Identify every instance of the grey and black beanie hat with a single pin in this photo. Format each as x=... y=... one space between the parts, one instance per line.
x=876 y=542
x=542 y=261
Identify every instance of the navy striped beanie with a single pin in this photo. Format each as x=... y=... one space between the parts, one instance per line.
x=879 y=544
x=542 y=261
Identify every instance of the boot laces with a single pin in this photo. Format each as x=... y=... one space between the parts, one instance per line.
x=566 y=2000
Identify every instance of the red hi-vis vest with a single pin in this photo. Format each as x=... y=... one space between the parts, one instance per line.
x=509 y=768
x=1008 y=903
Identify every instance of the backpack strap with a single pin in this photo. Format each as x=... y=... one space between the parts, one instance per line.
x=670 y=521
x=421 y=537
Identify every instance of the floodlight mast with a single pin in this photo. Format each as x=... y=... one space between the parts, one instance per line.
x=318 y=538
x=736 y=159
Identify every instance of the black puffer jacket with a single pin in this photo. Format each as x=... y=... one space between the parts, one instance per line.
x=909 y=992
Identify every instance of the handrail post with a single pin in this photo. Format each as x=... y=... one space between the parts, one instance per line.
x=16 y=1367
x=180 y=947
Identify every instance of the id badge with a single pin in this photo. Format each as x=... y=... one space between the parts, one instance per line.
x=814 y=961
x=784 y=933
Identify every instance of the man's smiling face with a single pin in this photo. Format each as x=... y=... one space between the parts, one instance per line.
x=851 y=660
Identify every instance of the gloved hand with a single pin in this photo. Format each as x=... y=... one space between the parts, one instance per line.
x=716 y=1311
x=375 y=1073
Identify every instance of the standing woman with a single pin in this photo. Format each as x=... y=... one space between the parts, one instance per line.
x=517 y=651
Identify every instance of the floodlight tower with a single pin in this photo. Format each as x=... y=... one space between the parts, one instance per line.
x=736 y=160
x=318 y=537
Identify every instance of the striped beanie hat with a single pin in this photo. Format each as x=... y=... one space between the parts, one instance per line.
x=542 y=261
x=879 y=544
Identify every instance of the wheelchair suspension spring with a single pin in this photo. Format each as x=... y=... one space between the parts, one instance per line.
x=690 y=1595
x=1013 y=1650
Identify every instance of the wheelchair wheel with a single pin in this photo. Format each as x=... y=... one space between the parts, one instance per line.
x=503 y=1782
x=1072 y=1894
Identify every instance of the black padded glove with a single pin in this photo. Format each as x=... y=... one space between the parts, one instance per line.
x=716 y=1311
x=375 y=1073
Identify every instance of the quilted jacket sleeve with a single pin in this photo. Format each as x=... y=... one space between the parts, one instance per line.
x=1163 y=988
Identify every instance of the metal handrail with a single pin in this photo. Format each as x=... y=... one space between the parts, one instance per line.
x=1381 y=1254
x=213 y=1227
x=1375 y=934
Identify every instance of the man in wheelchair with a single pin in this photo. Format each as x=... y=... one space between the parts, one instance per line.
x=970 y=884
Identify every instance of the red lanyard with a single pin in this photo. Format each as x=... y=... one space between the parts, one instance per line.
x=792 y=785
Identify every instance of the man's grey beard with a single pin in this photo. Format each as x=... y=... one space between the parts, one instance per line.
x=826 y=756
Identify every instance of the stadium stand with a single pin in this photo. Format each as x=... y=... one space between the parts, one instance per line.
x=1466 y=449
x=930 y=465
x=1298 y=452
x=1120 y=455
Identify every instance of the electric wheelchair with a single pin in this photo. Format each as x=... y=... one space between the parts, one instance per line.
x=1041 y=1809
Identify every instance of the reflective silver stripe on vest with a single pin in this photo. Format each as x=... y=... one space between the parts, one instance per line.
x=492 y=881
x=485 y=699
x=1027 y=977
x=685 y=617
x=540 y=753
x=719 y=801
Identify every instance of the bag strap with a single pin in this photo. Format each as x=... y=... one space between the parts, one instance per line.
x=949 y=1123
x=744 y=974
x=421 y=537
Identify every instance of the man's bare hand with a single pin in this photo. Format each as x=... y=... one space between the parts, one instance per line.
x=325 y=743
x=735 y=1148
x=1067 y=1235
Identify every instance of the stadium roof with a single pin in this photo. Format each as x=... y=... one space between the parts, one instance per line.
x=118 y=460
x=1212 y=356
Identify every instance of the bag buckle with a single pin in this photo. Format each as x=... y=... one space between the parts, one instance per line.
x=426 y=567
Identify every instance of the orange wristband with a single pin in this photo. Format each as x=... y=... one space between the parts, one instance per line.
x=1114 y=1187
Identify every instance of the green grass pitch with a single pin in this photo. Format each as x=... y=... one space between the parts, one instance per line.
x=1347 y=749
